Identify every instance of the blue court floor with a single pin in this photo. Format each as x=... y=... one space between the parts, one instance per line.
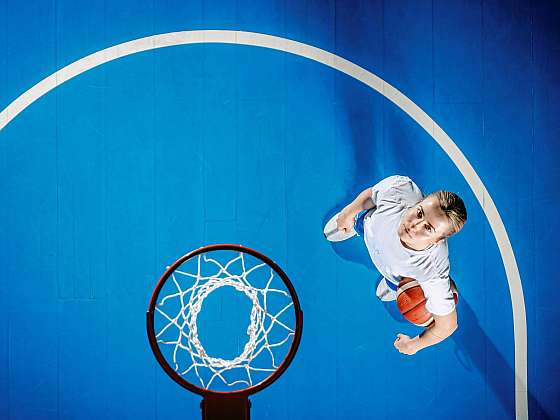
x=111 y=172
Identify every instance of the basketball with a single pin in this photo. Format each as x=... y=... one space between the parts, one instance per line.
x=412 y=302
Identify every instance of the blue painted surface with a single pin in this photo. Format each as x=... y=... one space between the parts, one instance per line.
x=118 y=172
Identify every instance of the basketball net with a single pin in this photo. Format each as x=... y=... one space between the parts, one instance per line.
x=191 y=291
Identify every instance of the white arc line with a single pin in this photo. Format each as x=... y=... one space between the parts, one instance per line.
x=369 y=79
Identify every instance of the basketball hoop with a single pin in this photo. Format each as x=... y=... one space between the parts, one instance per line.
x=273 y=334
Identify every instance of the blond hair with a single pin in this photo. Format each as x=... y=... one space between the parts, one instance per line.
x=454 y=208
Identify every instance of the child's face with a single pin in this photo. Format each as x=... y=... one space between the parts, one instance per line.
x=424 y=224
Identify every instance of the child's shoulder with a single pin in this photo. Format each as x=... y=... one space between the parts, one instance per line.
x=398 y=189
x=439 y=255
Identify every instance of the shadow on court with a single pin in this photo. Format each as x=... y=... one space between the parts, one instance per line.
x=474 y=348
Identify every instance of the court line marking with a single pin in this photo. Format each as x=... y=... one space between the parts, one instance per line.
x=338 y=63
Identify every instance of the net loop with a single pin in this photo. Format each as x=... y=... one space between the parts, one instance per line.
x=191 y=289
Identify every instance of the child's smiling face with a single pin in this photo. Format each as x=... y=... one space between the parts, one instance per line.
x=424 y=224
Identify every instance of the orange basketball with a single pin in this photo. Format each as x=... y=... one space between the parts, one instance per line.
x=412 y=302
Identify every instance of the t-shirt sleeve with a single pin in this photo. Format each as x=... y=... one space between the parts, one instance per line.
x=439 y=297
x=396 y=189
x=437 y=289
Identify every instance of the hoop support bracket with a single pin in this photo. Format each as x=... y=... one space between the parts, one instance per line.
x=225 y=407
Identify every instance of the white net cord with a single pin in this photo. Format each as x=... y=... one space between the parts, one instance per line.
x=184 y=322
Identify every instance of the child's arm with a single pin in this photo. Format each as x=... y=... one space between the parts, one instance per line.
x=443 y=327
x=363 y=201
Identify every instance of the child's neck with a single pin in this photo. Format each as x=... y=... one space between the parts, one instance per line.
x=412 y=246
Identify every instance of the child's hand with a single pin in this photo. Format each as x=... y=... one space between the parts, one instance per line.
x=345 y=221
x=406 y=345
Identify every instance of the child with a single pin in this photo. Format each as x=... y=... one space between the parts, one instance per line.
x=406 y=236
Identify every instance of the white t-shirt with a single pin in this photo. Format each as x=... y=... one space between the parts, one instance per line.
x=393 y=196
